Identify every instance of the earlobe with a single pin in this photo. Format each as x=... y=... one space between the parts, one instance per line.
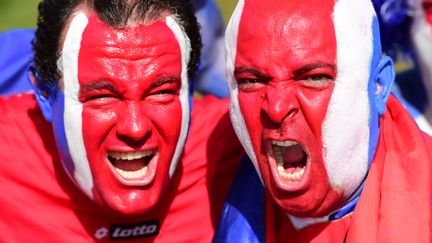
x=41 y=97
x=384 y=82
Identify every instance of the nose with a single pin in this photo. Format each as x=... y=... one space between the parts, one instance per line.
x=132 y=123
x=280 y=104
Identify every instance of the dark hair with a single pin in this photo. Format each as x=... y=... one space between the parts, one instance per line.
x=53 y=15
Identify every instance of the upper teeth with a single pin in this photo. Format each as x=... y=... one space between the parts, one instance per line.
x=284 y=143
x=130 y=155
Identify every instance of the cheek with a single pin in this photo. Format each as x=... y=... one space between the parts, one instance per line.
x=97 y=123
x=167 y=121
x=250 y=107
x=314 y=105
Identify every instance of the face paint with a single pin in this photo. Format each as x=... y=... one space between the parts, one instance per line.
x=292 y=85
x=421 y=37
x=122 y=120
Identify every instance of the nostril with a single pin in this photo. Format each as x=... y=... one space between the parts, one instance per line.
x=292 y=113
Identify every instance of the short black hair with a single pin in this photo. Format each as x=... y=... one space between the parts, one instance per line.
x=53 y=15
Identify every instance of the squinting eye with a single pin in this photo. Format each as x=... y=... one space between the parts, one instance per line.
x=316 y=80
x=101 y=98
x=250 y=84
x=165 y=92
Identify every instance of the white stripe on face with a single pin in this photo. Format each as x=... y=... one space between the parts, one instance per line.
x=73 y=107
x=185 y=49
x=346 y=126
x=236 y=116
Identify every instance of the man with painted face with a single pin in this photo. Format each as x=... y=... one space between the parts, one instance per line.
x=340 y=159
x=112 y=80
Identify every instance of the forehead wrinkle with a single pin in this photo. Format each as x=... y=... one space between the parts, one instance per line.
x=131 y=42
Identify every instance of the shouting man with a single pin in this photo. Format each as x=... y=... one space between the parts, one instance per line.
x=340 y=159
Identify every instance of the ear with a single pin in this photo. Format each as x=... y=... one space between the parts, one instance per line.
x=44 y=102
x=384 y=82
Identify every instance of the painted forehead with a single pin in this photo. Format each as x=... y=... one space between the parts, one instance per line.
x=287 y=29
x=267 y=15
x=133 y=42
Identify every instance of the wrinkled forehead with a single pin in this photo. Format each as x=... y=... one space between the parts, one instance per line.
x=284 y=18
x=333 y=25
x=286 y=30
x=133 y=42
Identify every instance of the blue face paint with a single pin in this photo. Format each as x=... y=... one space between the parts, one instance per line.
x=52 y=108
x=372 y=88
x=381 y=73
x=59 y=133
x=45 y=93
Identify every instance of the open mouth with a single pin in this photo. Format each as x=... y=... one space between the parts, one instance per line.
x=288 y=162
x=134 y=168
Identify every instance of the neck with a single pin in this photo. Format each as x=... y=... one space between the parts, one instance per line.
x=344 y=210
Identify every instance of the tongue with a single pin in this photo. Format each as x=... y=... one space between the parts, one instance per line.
x=294 y=156
x=130 y=165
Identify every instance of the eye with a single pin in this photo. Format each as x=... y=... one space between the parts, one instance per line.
x=316 y=80
x=165 y=90
x=251 y=84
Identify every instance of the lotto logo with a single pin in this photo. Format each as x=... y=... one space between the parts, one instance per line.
x=127 y=231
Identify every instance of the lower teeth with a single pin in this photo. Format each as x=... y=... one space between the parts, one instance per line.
x=282 y=172
x=132 y=174
x=290 y=176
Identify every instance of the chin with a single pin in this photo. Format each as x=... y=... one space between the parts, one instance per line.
x=309 y=204
x=129 y=201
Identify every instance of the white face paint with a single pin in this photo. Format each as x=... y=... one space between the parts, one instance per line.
x=235 y=113
x=346 y=127
x=73 y=144
x=185 y=48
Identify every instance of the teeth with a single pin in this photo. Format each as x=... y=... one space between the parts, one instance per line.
x=284 y=143
x=130 y=155
x=290 y=176
x=132 y=174
x=277 y=148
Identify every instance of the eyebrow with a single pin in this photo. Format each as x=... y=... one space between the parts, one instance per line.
x=253 y=71
x=98 y=85
x=164 y=80
x=309 y=67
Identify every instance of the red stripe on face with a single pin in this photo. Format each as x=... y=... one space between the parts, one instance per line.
x=427 y=7
x=130 y=80
x=285 y=70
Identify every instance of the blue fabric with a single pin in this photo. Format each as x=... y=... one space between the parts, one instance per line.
x=211 y=75
x=15 y=59
x=242 y=218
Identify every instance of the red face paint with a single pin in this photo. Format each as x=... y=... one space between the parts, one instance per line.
x=285 y=69
x=129 y=86
x=427 y=7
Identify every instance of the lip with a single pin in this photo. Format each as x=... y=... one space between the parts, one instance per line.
x=283 y=184
x=147 y=176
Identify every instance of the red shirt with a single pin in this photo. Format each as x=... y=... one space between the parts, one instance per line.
x=38 y=202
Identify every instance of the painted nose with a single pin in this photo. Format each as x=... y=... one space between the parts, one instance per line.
x=280 y=104
x=132 y=123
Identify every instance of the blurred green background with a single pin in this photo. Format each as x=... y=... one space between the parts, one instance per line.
x=23 y=13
